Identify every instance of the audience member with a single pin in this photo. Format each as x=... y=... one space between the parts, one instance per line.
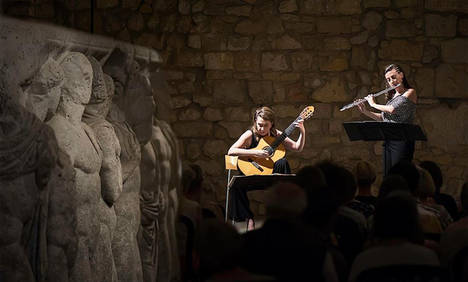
x=364 y=172
x=397 y=237
x=441 y=198
x=285 y=247
x=349 y=226
x=428 y=217
x=455 y=237
x=425 y=193
x=320 y=213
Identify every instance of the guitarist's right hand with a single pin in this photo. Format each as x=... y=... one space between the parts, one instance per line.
x=260 y=154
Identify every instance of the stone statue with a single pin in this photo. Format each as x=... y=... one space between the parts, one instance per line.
x=79 y=142
x=127 y=207
x=165 y=142
x=28 y=154
x=41 y=96
x=111 y=169
x=42 y=92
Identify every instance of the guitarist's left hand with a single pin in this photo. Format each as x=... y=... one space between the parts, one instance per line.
x=300 y=124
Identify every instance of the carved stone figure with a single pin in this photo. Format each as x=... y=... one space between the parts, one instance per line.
x=110 y=171
x=127 y=207
x=42 y=92
x=79 y=142
x=165 y=142
x=41 y=96
x=28 y=153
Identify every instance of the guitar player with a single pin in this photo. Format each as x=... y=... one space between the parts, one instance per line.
x=263 y=126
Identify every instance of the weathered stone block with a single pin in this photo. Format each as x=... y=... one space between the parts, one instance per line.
x=193 y=128
x=437 y=25
x=191 y=113
x=451 y=81
x=286 y=42
x=261 y=92
x=218 y=61
x=372 y=20
x=282 y=76
x=184 y=7
x=360 y=38
x=455 y=51
x=333 y=91
x=275 y=26
x=348 y=7
x=249 y=27
x=151 y=40
x=376 y=3
x=214 y=42
x=215 y=148
x=234 y=129
x=247 y=61
x=194 y=41
x=136 y=22
x=180 y=101
x=104 y=4
x=334 y=62
x=185 y=87
x=243 y=11
x=238 y=43
x=401 y=50
x=336 y=43
x=425 y=82
x=430 y=54
x=238 y=114
x=301 y=61
x=274 y=62
x=463 y=26
x=447 y=132
x=229 y=91
x=288 y=6
x=405 y=3
x=300 y=27
x=334 y=25
x=213 y=114
x=400 y=28
x=447 y=5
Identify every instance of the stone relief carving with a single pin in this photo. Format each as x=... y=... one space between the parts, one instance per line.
x=28 y=153
x=127 y=207
x=111 y=171
x=79 y=142
x=70 y=154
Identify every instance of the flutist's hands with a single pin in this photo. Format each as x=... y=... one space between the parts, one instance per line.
x=362 y=108
x=370 y=100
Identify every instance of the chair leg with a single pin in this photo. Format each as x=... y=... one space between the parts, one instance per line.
x=227 y=197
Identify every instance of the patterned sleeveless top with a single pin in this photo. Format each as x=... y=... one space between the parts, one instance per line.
x=404 y=110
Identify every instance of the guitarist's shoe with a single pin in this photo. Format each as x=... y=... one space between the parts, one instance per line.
x=250 y=224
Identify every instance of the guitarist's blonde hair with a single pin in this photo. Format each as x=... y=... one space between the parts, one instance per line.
x=267 y=114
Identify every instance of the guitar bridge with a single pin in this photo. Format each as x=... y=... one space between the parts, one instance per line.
x=255 y=164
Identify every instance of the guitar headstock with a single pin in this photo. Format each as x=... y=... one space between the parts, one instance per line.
x=307 y=112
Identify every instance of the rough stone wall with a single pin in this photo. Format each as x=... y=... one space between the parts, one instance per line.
x=225 y=57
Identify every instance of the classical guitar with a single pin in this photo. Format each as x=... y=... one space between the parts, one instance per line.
x=274 y=146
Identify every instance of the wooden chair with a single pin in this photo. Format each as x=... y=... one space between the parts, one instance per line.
x=230 y=163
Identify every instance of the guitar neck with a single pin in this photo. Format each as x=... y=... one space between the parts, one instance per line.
x=285 y=134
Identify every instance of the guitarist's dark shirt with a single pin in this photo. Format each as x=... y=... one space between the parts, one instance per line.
x=254 y=142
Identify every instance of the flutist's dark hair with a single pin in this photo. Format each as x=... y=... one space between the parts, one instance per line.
x=398 y=68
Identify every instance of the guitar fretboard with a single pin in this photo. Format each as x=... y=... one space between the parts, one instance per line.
x=285 y=134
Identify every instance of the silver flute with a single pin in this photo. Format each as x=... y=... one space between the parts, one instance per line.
x=359 y=101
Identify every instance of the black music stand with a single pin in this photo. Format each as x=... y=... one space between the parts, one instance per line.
x=255 y=182
x=383 y=131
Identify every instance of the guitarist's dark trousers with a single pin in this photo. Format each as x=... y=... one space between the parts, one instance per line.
x=239 y=202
